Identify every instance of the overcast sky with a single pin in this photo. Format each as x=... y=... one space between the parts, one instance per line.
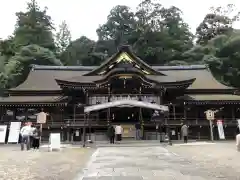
x=84 y=16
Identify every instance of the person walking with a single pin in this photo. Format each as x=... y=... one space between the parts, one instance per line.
x=25 y=133
x=118 y=132
x=111 y=134
x=138 y=131
x=184 y=131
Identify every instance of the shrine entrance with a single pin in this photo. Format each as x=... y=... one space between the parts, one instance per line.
x=128 y=110
x=125 y=115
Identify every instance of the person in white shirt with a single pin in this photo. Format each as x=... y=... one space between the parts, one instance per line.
x=118 y=132
x=25 y=133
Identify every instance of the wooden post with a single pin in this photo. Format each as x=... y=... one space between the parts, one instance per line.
x=140 y=115
x=210 y=115
x=211 y=129
x=40 y=138
x=84 y=131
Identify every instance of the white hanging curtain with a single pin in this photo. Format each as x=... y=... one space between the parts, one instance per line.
x=126 y=102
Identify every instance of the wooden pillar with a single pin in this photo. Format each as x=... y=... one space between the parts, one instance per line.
x=174 y=112
x=184 y=112
x=26 y=113
x=233 y=113
x=89 y=127
x=196 y=114
x=108 y=110
x=74 y=113
x=140 y=114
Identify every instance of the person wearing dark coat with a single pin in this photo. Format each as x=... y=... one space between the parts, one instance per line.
x=162 y=131
x=111 y=134
x=138 y=131
x=36 y=139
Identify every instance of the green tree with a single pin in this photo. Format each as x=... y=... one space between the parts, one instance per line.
x=118 y=28
x=158 y=35
x=62 y=38
x=219 y=21
x=32 y=43
x=81 y=52
x=164 y=36
x=17 y=68
x=225 y=59
x=34 y=27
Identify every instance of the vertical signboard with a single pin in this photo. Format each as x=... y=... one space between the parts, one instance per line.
x=14 y=132
x=220 y=129
x=55 y=142
x=3 y=131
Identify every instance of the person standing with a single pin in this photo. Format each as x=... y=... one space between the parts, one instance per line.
x=25 y=133
x=184 y=131
x=138 y=131
x=36 y=137
x=111 y=134
x=118 y=132
x=31 y=135
x=162 y=131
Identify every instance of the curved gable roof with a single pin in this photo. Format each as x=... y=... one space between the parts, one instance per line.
x=127 y=54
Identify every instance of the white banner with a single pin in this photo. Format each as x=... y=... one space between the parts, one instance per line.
x=14 y=132
x=238 y=120
x=3 y=131
x=220 y=129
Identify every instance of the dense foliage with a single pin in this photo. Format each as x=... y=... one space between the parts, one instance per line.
x=157 y=34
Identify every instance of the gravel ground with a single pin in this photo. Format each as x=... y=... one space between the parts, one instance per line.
x=42 y=165
x=220 y=159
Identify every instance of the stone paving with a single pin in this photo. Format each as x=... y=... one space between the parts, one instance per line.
x=42 y=165
x=143 y=163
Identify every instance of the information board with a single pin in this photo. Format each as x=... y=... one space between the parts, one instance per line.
x=3 y=131
x=41 y=117
x=14 y=132
x=54 y=140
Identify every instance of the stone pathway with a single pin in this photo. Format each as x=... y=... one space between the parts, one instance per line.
x=139 y=163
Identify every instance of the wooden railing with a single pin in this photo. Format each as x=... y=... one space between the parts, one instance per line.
x=94 y=120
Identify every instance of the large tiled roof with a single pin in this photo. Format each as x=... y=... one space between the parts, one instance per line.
x=44 y=77
x=210 y=98
x=215 y=97
x=21 y=100
x=204 y=77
